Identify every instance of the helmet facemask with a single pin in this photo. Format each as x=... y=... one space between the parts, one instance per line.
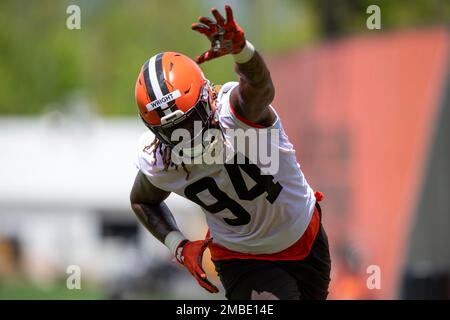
x=202 y=113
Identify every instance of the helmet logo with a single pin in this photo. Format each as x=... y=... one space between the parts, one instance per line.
x=164 y=100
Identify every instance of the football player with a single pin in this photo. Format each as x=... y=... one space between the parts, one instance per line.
x=265 y=232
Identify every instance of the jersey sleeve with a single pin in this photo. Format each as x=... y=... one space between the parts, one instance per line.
x=145 y=160
x=228 y=117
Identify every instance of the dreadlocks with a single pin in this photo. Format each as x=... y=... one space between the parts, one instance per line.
x=166 y=151
x=166 y=154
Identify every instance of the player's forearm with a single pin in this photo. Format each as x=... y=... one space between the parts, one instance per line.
x=255 y=84
x=157 y=219
x=254 y=72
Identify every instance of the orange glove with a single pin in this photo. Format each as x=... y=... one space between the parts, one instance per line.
x=226 y=36
x=190 y=255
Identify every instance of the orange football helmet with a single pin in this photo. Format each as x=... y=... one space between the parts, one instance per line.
x=172 y=92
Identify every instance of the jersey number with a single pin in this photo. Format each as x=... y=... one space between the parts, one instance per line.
x=264 y=183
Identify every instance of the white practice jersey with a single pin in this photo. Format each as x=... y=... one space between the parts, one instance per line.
x=246 y=210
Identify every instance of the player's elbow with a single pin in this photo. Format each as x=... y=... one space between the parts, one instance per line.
x=139 y=198
x=134 y=194
x=136 y=200
x=135 y=207
x=134 y=203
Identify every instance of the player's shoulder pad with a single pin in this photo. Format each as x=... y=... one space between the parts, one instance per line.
x=145 y=158
x=226 y=88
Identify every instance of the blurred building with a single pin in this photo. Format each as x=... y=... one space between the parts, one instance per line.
x=64 y=200
x=369 y=117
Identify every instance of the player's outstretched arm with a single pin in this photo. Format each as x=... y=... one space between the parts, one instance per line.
x=251 y=99
x=255 y=91
x=147 y=202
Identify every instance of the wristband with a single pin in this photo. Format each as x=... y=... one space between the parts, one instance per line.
x=173 y=240
x=246 y=53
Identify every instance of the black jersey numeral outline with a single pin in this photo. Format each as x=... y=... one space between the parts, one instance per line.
x=264 y=184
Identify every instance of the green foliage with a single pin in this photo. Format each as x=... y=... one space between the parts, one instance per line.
x=343 y=17
x=42 y=62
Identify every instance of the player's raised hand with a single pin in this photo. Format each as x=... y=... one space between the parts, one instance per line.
x=226 y=36
x=190 y=255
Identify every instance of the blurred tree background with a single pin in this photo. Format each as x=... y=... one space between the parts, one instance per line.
x=43 y=64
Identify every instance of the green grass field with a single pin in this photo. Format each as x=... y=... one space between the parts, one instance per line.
x=21 y=289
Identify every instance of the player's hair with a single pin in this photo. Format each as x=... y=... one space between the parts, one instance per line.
x=166 y=152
